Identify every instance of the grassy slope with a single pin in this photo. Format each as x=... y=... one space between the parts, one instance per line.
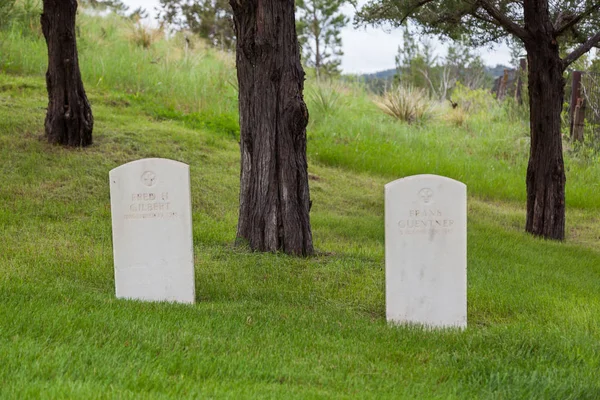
x=268 y=325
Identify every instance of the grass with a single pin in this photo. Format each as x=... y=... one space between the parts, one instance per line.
x=270 y=325
x=406 y=103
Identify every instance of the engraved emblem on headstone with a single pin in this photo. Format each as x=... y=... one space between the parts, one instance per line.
x=426 y=195
x=149 y=178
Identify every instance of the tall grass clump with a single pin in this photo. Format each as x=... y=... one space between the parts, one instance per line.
x=325 y=97
x=406 y=103
x=515 y=109
x=456 y=116
x=143 y=36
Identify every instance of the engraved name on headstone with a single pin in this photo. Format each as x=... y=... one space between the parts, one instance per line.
x=426 y=251
x=152 y=230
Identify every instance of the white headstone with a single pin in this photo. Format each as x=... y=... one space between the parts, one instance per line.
x=152 y=230
x=426 y=251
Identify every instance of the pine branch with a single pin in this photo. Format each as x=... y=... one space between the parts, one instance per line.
x=581 y=50
x=415 y=7
x=563 y=26
x=503 y=20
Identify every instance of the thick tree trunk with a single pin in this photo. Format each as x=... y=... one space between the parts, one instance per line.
x=545 y=172
x=274 y=195
x=69 y=119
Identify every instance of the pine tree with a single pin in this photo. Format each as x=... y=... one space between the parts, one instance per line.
x=209 y=19
x=319 y=24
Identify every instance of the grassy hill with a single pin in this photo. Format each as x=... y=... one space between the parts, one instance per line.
x=270 y=325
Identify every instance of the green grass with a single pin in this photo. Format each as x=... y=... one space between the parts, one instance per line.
x=270 y=325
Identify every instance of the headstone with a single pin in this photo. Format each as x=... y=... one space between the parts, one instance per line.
x=426 y=251
x=152 y=230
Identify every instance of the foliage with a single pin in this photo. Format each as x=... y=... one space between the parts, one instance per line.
x=406 y=103
x=6 y=12
x=21 y=14
x=417 y=65
x=415 y=61
x=517 y=52
x=144 y=36
x=516 y=111
x=325 y=97
x=484 y=21
x=465 y=66
x=210 y=19
x=457 y=116
x=587 y=151
x=473 y=100
x=116 y=6
x=319 y=24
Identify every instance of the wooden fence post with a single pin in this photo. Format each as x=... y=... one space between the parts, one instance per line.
x=574 y=110
x=520 y=74
x=502 y=86
x=579 y=120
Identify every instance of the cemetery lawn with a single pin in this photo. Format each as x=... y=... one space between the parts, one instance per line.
x=271 y=325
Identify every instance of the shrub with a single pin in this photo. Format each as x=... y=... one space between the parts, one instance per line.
x=473 y=100
x=143 y=36
x=325 y=98
x=406 y=103
x=456 y=116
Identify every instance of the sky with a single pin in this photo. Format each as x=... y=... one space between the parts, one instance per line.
x=367 y=50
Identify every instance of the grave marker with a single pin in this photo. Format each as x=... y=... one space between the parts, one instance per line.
x=426 y=251
x=152 y=230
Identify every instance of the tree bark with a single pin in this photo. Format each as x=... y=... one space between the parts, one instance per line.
x=69 y=119
x=545 y=171
x=274 y=194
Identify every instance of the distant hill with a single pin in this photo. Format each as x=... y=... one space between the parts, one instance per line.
x=378 y=81
x=495 y=72
x=388 y=73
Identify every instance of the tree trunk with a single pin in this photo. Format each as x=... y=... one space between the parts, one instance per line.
x=274 y=195
x=579 y=120
x=545 y=172
x=69 y=119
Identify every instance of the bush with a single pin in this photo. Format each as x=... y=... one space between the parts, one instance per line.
x=406 y=103
x=473 y=100
x=324 y=98
x=456 y=116
x=143 y=36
